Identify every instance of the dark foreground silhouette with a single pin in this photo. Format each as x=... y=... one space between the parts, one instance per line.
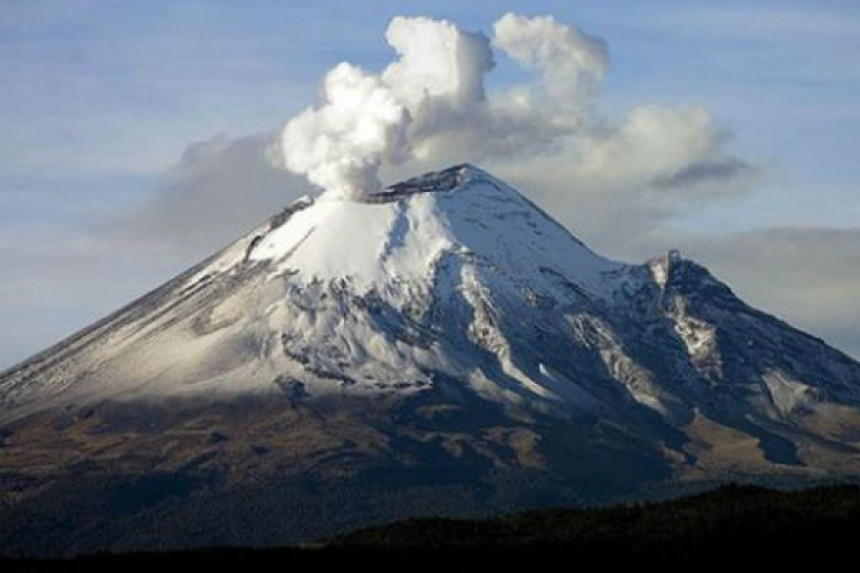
x=731 y=525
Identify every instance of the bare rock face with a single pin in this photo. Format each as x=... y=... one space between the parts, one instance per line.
x=443 y=347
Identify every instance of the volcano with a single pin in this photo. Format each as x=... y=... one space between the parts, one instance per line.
x=443 y=347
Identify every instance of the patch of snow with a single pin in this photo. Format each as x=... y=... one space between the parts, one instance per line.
x=787 y=394
x=698 y=336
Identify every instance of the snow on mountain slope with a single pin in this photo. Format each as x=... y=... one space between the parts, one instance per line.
x=399 y=237
x=456 y=276
x=335 y=293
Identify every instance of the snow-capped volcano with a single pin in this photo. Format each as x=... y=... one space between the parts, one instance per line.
x=344 y=295
x=445 y=332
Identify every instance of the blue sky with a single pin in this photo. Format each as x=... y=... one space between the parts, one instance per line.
x=100 y=100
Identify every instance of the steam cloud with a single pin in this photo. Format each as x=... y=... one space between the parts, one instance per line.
x=569 y=62
x=430 y=107
x=434 y=89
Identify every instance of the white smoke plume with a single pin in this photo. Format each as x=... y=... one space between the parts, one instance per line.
x=436 y=61
x=569 y=62
x=341 y=145
x=431 y=107
x=366 y=118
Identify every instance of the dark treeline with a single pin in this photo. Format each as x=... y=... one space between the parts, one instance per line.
x=731 y=525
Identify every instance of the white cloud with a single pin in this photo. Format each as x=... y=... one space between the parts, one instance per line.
x=367 y=119
x=341 y=145
x=570 y=63
x=654 y=142
x=219 y=188
x=436 y=59
x=430 y=108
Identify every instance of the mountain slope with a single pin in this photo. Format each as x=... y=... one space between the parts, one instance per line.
x=441 y=347
x=348 y=290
